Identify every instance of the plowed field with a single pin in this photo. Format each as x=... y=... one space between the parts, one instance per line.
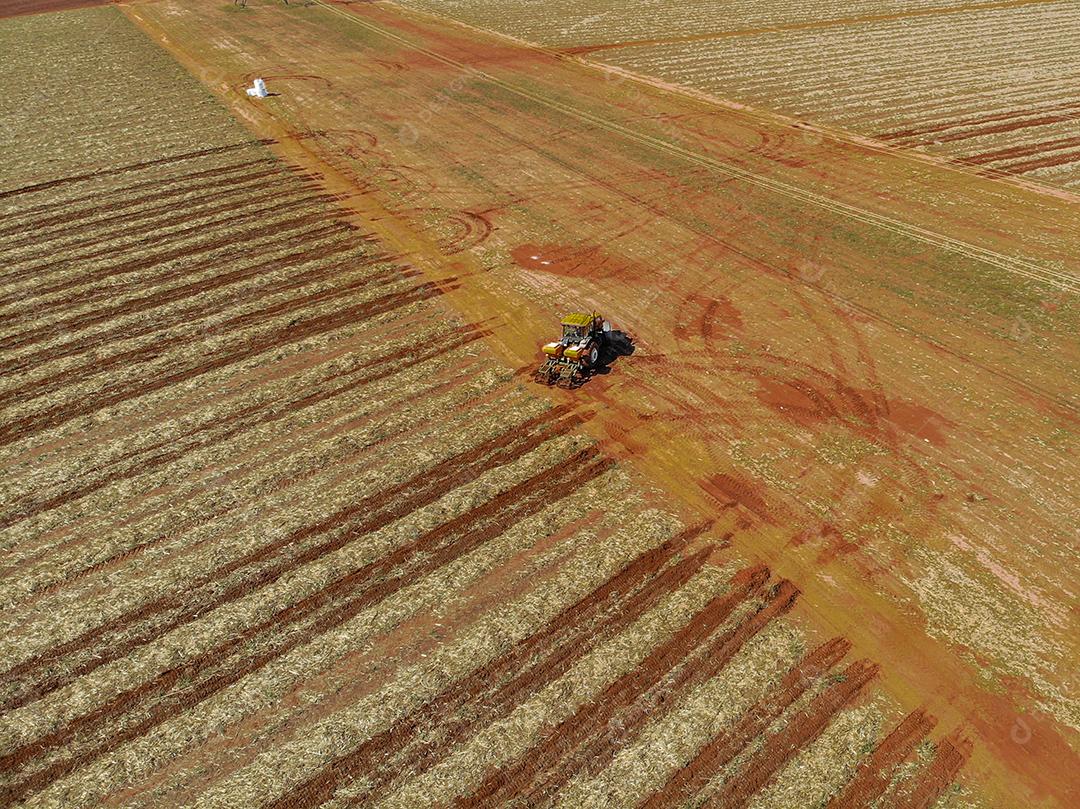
x=284 y=522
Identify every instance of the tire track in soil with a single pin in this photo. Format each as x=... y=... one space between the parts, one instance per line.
x=99 y=315
x=504 y=681
x=518 y=503
x=265 y=565
x=802 y=730
x=96 y=204
x=52 y=417
x=133 y=357
x=354 y=143
x=472 y=228
x=730 y=171
x=133 y=167
x=476 y=228
x=875 y=773
x=518 y=777
x=109 y=216
x=156 y=237
x=952 y=754
x=233 y=243
x=321 y=230
x=237 y=425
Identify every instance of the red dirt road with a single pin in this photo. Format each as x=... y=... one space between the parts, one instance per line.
x=863 y=365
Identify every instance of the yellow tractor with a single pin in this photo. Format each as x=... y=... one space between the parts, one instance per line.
x=571 y=359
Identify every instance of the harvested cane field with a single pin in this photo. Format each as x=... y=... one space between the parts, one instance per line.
x=285 y=524
x=988 y=85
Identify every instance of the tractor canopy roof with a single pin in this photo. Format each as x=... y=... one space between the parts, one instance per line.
x=577 y=319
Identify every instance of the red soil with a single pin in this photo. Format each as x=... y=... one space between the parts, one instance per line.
x=530 y=773
x=795 y=400
x=919 y=421
x=710 y=759
x=874 y=774
x=730 y=490
x=806 y=726
x=574 y=262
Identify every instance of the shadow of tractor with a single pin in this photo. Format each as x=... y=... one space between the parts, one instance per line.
x=618 y=344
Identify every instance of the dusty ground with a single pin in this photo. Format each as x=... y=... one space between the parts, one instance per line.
x=236 y=484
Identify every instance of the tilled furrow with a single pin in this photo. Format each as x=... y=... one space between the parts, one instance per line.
x=108 y=222
x=187 y=240
x=57 y=415
x=876 y=771
x=99 y=241
x=521 y=777
x=219 y=431
x=155 y=277
x=90 y=204
x=503 y=682
x=261 y=567
x=801 y=731
x=133 y=167
x=951 y=756
x=226 y=664
x=126 y=308
x=688 y=781
x=656 y=703
x=189 y=343
x=91 y=564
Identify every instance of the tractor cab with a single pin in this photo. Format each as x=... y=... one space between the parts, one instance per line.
x=575 y=328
